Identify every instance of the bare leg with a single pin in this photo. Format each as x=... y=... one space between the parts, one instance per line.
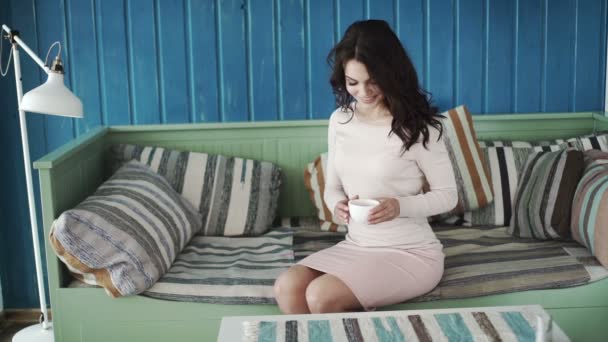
x=327 y=294
x=290 y=289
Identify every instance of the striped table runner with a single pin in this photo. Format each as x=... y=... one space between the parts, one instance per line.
x=456 y=326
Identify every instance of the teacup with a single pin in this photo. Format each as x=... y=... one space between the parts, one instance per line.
x=359 y=209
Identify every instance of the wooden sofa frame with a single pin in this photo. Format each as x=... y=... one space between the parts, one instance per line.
x=75 y=170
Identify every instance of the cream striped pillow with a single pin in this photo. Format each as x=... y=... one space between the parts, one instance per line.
x=236 y=196
x=314 y=180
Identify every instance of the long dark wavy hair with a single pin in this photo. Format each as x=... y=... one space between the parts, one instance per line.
x=373 y=43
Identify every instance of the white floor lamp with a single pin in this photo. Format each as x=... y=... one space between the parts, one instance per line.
x=50 y=98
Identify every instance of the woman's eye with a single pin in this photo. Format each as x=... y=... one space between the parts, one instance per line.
x=352 y=84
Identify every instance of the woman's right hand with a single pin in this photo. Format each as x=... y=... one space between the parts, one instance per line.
x=341 y=213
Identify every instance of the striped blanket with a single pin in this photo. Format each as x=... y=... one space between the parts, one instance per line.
x=480 y=261
x=512 y=325
x=227 y=270
x=483 y=261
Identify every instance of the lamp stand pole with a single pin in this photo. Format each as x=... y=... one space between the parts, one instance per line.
x=43 y=331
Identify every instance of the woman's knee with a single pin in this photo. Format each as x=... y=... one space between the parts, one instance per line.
x=320 y=300
x=294 y=281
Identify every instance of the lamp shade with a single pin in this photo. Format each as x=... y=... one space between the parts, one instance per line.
x=52 y=98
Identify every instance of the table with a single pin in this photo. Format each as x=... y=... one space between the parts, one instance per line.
x=233 y=327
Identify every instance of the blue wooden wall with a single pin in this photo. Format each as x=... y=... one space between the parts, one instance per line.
x=169 y=61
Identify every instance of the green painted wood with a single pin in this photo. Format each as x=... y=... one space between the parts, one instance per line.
x=582 y=324
x=74 y=171
x=601 y=121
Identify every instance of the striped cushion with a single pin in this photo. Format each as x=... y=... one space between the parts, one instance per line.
x=590 y=206
x=592 y=142
x=126 y=235
x=314 y=180
x=543 y=145
x=505 y=160
x=543 y=202
x=470 y=168
x=235 y=196
x=505 y=165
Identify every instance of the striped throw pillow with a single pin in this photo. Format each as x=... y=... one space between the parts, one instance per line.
x=505 y=160
x=592 y=142
x=543 y=201
x=505 y=164
x=126 y=235
x=235 y=196
x=314 y=181
x=590 y=206
x=470 y=168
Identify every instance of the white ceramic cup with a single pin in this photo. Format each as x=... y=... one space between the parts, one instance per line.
x=359 y=209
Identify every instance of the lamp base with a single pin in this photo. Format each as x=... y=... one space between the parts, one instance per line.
x=35 y=333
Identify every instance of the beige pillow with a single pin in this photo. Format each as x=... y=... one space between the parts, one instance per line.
x=314 y=180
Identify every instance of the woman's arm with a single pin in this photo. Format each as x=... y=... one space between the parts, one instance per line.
x=334 y=192
x=434 y=161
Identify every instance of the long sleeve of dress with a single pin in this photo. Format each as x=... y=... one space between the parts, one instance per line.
x=334 y=191
x=434 y=162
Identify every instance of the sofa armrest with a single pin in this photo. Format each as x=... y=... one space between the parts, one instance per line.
x=67 y=176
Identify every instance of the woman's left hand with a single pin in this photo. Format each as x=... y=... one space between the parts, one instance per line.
x=387 y=210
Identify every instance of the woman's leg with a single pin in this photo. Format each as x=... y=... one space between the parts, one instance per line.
x=290 y=289
x=328 y=293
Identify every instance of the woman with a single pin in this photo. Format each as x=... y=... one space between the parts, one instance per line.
x=384 y=141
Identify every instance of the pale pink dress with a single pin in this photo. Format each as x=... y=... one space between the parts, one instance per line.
x=392 y=261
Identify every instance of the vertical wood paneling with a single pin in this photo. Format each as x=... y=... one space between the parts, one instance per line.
x=293 y=59
x=383 y=9
x=172 y=51
x=113 y=62
x=560 y=48
x=263 y=65
x=152 y=61
x=347 y=13
x=84 y=57
x=410 y=29
x=205 y=84
x=439 y=76
x=588 y=82
x=500 y=38
x=469 y=54
x=6 y=176
x=143 y=62
x=231 y=27
x=320 y=25
x=529 y=56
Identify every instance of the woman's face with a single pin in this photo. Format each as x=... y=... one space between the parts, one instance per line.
x=361 y=86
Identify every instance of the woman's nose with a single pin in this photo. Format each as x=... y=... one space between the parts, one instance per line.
x=364 y=91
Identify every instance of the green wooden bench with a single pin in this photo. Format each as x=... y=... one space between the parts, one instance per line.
x=76 y=169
